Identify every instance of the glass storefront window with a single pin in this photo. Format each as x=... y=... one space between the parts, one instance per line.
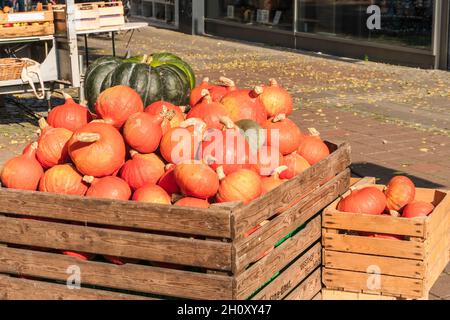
x=404 y=23
x=277 y=14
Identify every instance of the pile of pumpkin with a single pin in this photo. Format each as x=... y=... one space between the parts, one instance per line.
x=124 y=151
x=397 y=199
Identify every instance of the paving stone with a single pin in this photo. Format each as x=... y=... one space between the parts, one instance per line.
x=442 y=286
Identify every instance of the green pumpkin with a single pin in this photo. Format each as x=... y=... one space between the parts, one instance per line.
x=167 y=58
x=167 y=81
x=95 y=76
x=152 y=84
x=253 y=133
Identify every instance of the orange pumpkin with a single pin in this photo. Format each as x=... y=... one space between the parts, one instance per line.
x=152 y=193
x=167 y=180
x=312 y=148
x=64 y=179
x=174 y=118
x=417 y=209
x=242 y=185
x=142 y=169
x=22 y=172
x=108 y=188
x=69 y=115
x=97 y=149
x=284 y=132
x=270 y=183
x=296 y=164
x=196 y=179
x=192 y=202
x=52 y=149
x=115 y=105
x=399 y=192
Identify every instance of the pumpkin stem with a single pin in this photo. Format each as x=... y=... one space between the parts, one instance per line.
x=273 y=82
x=258 y=90
x=279 y=117
x=133 y=153
x=227 y=122
x=206 y=95
x=205 y=80
x=210 y=159
x=183 y=108
x=313 y=132
x=394 y=213
x=98 y=121
x=34 y=145
x=42 y=123
x=166 y=113
x=176 y=196
x=145 y=59
x=220 y=173
x=88 y=137
x=169 y=166
x=277 y=171
x=88 y=179
x=83 y=103
x=66 y=95
x=227 y=82
x=198 y=124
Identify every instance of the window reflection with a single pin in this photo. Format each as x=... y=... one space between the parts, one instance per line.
x=277 y=14
x=404 y=23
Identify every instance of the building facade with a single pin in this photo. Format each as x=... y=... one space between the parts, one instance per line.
x=406 y=32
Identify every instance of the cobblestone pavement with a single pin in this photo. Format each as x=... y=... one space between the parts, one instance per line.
x=396 y=119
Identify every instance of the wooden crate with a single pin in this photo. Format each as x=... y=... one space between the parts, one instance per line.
x=408 y=267
x=45 y=18
x=184 y=252
x=111 y=14
x=86 y=17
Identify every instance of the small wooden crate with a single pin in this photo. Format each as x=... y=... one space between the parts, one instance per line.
x=184 y=252
x=86 y=17
x=111 y=14
x=42 y=20
x=408 y=268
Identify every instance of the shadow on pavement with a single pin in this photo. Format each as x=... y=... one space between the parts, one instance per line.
x=383 y=174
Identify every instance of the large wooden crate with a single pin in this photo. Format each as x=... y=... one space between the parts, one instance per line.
x=407 y=268
x=184 y=252
x=38 y=23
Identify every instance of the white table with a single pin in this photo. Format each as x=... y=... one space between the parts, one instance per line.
x=126 y=27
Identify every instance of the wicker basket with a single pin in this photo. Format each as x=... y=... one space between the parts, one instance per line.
x=10 y=68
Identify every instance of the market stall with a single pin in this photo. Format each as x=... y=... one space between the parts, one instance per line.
x=48 y=36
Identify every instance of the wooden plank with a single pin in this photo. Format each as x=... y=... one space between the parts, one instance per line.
x=317 y=296
x=251 y=248
x=24 y=289
x=328 y=294
x=287 y=195
x=361 y=262
x=333 y=219
x=138 y=278
x=358 y=281
x=209 y=222
x=259 y=273
x=375 y=246
x=292 y=276
x=185 y=251
x=308 y=289
x=28 y=31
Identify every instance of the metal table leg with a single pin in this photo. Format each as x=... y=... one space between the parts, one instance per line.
x=113 y=40
x=86 y=52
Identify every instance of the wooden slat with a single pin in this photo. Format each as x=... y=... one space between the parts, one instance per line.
x=24 y=289
x=308 y=289
x=287 y=195
x=292 y=276
x=209 y=222
x=328 y=294
x=138 y=278
x=333 y=219
x=192 y=252
x=251 y=248
x=357 y=281
x=375 y=246
x=317 y=296
x=360 y=262
x=259 y=273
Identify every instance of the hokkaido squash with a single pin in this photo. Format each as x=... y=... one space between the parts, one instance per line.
x=142 y=169
x=63 y=179
x=108 y=188
x=242 y=185
x=196 y=179
x=70 y=115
